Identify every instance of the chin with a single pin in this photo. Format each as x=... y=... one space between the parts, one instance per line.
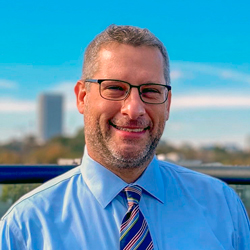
x=130 y=149
x=130 y=152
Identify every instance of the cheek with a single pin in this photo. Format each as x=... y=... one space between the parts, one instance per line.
x=109 y=109
x=158 y=117
x=101 y=112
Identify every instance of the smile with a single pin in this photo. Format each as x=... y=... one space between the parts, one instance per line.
x=132 y=130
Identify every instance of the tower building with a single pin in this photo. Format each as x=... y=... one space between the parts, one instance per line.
x=50 y=116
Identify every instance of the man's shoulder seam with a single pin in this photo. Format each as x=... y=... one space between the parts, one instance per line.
x=36 y=191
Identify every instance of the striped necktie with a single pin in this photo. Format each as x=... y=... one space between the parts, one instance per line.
x=134 y=232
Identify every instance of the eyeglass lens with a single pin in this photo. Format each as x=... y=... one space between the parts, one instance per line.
x=118 y=90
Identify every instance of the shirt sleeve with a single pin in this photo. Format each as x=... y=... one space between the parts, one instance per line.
x=241 y=239
x=10 y=237
x=243 y=229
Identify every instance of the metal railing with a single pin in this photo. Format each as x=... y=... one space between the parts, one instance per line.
x=14 y=174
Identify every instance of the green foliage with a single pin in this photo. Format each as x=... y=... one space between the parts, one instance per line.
x=75 y=144
x=47 y=154
x=9 y=157
x=164 y=148
x=207 y=155
x=14 y=191
x=30 y=152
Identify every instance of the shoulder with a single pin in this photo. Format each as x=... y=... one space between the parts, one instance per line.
x=202 y=187
x=48 y=193
x=187 y=175
x=209 y=197
x=41 y=212
x=207 y=191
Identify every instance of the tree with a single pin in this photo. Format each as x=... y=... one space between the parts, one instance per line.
x=13 y=192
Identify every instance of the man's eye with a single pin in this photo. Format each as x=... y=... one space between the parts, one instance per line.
x=115 y=87
x=151 y=90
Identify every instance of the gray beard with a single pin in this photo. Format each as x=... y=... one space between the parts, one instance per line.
x=132 y=161
x=113 y=157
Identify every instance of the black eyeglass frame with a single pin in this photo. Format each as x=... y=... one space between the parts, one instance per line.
x=99 y=81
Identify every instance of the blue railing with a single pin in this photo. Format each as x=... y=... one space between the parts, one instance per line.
x=13 y=174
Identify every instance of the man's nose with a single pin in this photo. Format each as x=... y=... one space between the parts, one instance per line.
x=133 y=106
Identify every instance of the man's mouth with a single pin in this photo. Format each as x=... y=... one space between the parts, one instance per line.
x=129 y=129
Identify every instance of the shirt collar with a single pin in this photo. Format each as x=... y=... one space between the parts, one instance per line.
x=105 y=185
x=151 y=180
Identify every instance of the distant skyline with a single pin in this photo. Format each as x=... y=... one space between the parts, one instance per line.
x=50 y=116
x=42 y=46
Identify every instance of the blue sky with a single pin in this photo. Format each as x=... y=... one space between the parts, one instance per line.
x=42 y=44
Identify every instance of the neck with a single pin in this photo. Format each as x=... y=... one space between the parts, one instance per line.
x=128 y=167
x=128 y=175
x=127 y=172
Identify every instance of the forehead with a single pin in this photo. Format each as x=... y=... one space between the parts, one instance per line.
x=124 y=61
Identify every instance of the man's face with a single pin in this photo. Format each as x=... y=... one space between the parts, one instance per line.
x=123 y=134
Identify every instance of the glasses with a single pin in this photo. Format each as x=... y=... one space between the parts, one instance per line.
x=117 y=90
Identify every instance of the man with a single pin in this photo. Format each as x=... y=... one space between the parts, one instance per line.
x=121 y=196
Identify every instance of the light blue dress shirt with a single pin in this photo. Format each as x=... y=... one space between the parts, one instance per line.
x=83 y=209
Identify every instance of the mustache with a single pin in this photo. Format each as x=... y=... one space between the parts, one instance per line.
x=124 y=122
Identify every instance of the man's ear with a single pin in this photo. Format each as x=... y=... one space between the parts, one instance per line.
x=168 y=104
x=80 y=92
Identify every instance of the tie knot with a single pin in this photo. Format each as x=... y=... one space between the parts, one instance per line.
x=133 y=194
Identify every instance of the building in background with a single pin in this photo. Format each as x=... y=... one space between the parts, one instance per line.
x=248 y=143
x=50 y=115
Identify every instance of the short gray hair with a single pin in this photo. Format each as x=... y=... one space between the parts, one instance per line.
x=122 y=34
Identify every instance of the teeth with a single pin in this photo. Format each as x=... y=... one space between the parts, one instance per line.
x=136 y=130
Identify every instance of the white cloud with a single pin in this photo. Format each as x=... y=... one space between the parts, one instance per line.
x=20 y=106
x=176 y=74
x=235 y=76
x=7 y=84
x=203 y=69
x=203 y=101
